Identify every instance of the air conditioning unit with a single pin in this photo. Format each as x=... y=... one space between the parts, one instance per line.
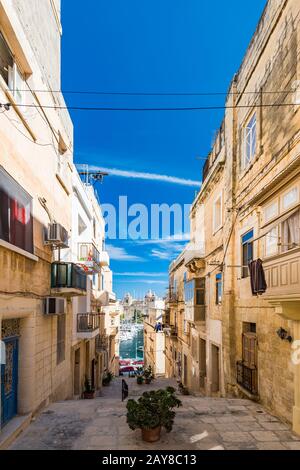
x=57 y=235
x=53 y=306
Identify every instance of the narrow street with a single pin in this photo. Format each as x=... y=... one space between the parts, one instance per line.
x=200 y=424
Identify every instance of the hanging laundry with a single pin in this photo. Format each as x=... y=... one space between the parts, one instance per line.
x=257 y=277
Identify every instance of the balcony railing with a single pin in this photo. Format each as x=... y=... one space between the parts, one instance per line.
x=171 y=330
x=89 y=257
x=67 y=276
x=101 y=343
x=87 y=322
x=247 y=377
x=172 y=296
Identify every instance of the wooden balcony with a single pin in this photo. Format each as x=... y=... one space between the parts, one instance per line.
x=195 y=313
x=283 y=280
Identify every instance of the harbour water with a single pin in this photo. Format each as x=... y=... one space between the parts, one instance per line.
x=133 y=349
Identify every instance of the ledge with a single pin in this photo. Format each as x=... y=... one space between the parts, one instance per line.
x=12 y=430
x=248 y=394
x=18 y=250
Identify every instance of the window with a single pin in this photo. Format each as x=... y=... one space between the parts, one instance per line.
x=6 y=60
x=189 y=289
x=217 y=214
x=247 y=252
x=10 y=72
x=290 y=198
x=271 y=211
x=81 y=225
x=296 y=89
x=185 y=327
x=290 y=232
x=219 y=289
x=272 y=242
x=61 y=338
x=250 y=138
x=94 y=228
x=16 y=225
x=200 y=291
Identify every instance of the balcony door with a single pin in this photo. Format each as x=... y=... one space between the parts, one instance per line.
x=77 y=372
x=249 y=357
x=250 y=350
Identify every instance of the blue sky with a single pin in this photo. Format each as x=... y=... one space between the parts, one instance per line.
x=157 y=46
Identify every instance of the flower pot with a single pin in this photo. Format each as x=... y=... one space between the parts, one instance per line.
x=89 y=395
x=147 y=381
x=151 y=435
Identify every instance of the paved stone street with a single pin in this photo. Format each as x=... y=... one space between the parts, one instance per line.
x=200 y=424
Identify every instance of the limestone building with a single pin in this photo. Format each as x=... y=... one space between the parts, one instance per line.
x=55 y=282
x=36 y=153
x=250 y=196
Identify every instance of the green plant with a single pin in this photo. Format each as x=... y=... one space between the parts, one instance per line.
x=107 y=378
x=140 y=379
x=148 y=373
x=153 y=409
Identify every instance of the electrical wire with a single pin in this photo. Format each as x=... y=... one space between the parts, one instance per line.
x=196 y=108
x=141 y=93
x=24 y=135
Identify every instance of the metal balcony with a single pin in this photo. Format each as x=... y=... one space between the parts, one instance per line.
x=101 y=343
x=171 y=330
x=88 y=325
x=247 y=378
x=67 y=280
x=89 y=258
x=172 y=296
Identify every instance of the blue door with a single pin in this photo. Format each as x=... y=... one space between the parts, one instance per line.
x=9 y=381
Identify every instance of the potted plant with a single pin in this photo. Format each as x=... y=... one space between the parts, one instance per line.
x=152 y=411
x=139 y=379
x=148 y=375
x=89 y=391
x=107 y=378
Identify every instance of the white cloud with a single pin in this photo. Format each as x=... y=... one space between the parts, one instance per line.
x=119 y=254
x=146 y=176
x=178 y=238
x=167 y=252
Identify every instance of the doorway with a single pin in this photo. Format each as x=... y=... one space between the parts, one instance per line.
x=93 y=374
x=202 y=363
x=185 y=370
x=9 y=381
x=215 y=372
x=77 y=372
